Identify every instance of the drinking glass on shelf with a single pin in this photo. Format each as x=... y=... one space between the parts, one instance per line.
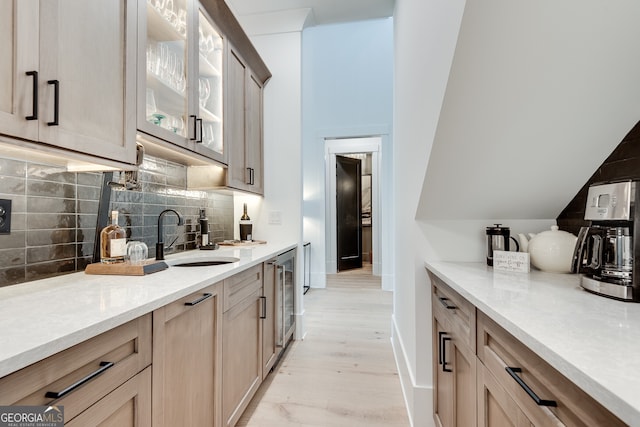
x=152 y=111
x=171 y=69
x=163 y=63
x=204 y=92
x=207 y=136
x=152 y=57
x=177 y=125
x=169 y=11
x=181 y=22
x=181 y=80
x=158 y=4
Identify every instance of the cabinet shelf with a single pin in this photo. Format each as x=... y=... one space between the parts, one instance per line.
x=207 y=69
x=208 y=116
x=159 y=28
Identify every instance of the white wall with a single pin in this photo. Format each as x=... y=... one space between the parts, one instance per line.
x=347 y=92
x=425 y=38
x=282 y=52
x=538 y=94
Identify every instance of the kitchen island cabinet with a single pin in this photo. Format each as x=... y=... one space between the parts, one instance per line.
x=518 y=339
x=186 y=360
x=61 y=88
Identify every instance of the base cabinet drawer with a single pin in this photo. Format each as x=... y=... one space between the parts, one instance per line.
x=544 y=395
x=127 y=406
x=80 y=376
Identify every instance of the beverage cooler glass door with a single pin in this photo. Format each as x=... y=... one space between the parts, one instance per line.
x=286 y=297
x=166 y=70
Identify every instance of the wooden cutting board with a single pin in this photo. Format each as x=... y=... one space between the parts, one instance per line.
x=125 y=269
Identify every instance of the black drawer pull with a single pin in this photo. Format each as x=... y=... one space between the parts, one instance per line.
x=444 y=302
x=444 y=355
x=263 y=315
x=199 y=300
x=56 y=102
x=525 y=387
x=57 y=395
x=34 y=114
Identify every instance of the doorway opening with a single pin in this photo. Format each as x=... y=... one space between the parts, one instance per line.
x=362 y=236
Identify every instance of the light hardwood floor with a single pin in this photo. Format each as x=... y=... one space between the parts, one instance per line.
x=343 y=373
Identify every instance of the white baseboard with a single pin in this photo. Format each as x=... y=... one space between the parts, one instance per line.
x=418 y=399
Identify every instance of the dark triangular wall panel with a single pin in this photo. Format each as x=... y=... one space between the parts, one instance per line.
x=622 y=164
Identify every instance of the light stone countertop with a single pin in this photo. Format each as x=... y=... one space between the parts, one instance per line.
x=594 y=341
x=43 y=317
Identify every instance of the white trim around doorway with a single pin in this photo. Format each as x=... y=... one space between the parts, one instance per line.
x=334 y=146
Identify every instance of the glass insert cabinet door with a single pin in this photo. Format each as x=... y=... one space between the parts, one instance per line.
x=180 y=88
x=165 y=102
x=209 y=85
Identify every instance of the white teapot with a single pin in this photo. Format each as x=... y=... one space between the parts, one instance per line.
x=551 y=250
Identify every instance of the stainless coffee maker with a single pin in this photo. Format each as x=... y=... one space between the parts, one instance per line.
x=605 y=251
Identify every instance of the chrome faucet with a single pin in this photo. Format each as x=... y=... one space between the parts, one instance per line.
x=160 y=244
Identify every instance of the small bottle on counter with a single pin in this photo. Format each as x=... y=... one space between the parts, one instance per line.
x=204 y=228
x=246 y=233
x=113 y=242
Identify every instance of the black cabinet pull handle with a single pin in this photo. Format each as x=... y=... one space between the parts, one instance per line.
x=440 y=334
x=444 y=355
x=56 y=102
x=199 y=121
x=249 y=177
x=263 y=315
x=57 y=395
x=525 y=387
x=195 y=127
x=444 y=302
x=34 y=114
x=253 y=176
x=199 y=300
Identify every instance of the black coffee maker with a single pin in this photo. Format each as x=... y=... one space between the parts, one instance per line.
x=605 y=251
x=498 y=240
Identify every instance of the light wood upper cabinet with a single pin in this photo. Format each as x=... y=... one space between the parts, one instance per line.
x=180 y=73
x=69 y=81
x=186 y=360
x=19 y=44
x=244 y=130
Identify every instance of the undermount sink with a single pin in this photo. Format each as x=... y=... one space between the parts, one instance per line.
x=205 y=262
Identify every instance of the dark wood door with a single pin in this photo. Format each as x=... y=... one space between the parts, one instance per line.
x=349 y=212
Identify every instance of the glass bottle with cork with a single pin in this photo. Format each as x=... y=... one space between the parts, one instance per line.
x=246 y=232
x=113 y=242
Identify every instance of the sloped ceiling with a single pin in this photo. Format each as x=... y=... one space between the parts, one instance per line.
x=539 y=94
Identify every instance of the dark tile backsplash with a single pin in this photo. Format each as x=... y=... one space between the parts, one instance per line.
x=622 y=164
x=55 y=213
